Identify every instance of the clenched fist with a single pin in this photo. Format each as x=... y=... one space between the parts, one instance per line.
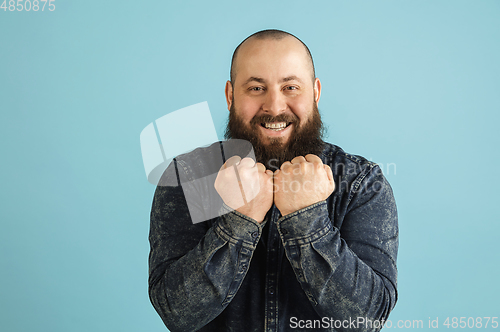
x=246 y=187
x=302 y=182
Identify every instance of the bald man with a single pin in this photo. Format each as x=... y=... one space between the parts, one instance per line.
x=315 y=246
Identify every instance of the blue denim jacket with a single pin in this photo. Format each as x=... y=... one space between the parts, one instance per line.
x=328 y=267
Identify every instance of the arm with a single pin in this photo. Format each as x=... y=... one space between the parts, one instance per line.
x=195 y=269
x=347 y=273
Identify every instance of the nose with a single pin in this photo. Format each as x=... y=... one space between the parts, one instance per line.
x=274 y=103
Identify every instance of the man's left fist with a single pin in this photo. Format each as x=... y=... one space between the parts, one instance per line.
x=302 y=182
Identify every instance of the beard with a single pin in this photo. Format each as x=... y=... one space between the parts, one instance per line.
x=306 y=138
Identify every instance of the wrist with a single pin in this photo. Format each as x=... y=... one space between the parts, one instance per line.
x=259 y=217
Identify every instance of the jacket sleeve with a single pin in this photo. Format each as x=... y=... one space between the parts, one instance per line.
x=348 y=273
x=195 y=269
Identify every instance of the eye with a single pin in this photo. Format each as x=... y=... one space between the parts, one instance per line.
x=291 y=88
x=256 y=88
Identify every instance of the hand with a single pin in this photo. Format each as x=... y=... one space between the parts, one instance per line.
x=302 y=182
x=246 y=187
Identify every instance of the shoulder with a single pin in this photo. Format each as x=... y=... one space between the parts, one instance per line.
x=344 y=162
x=192 y=165
x=205 y=161
x=357 y=180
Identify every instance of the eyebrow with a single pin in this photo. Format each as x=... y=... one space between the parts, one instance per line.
x=283 y=80
x=255 y=79
x=290 y=78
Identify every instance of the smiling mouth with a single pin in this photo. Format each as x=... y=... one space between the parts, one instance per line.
x=276 y=126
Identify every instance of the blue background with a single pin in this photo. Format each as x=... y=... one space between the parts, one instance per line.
x=410 y=83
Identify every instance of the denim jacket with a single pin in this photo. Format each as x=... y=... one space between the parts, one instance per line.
x=328 y=267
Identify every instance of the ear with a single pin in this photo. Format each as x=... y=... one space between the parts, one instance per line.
x=317 y=90
x=229 y=94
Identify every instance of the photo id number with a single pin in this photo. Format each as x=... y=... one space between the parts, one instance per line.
x=28 y=5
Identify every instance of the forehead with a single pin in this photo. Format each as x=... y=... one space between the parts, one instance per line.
x=272 y=59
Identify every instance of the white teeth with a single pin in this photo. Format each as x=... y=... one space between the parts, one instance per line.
x=275 y=125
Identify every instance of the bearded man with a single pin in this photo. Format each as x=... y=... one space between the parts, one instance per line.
x=312 y=248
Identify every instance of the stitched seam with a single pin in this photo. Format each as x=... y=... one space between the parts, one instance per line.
x=359 y=180
x=312 y=237
x=226 y=236
x=376 y=248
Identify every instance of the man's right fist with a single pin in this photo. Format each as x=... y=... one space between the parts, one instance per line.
x=246 y=187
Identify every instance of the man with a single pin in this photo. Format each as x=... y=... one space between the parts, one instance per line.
x=315 y=249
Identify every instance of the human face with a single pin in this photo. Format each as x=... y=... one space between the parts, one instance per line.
x=273 y=88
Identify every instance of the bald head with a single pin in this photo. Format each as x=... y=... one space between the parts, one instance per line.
x=269 y=35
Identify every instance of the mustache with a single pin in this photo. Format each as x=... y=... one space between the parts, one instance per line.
x=288 y=118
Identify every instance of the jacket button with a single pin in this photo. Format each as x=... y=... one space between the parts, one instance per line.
x=271 y=291
x=255 y=234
